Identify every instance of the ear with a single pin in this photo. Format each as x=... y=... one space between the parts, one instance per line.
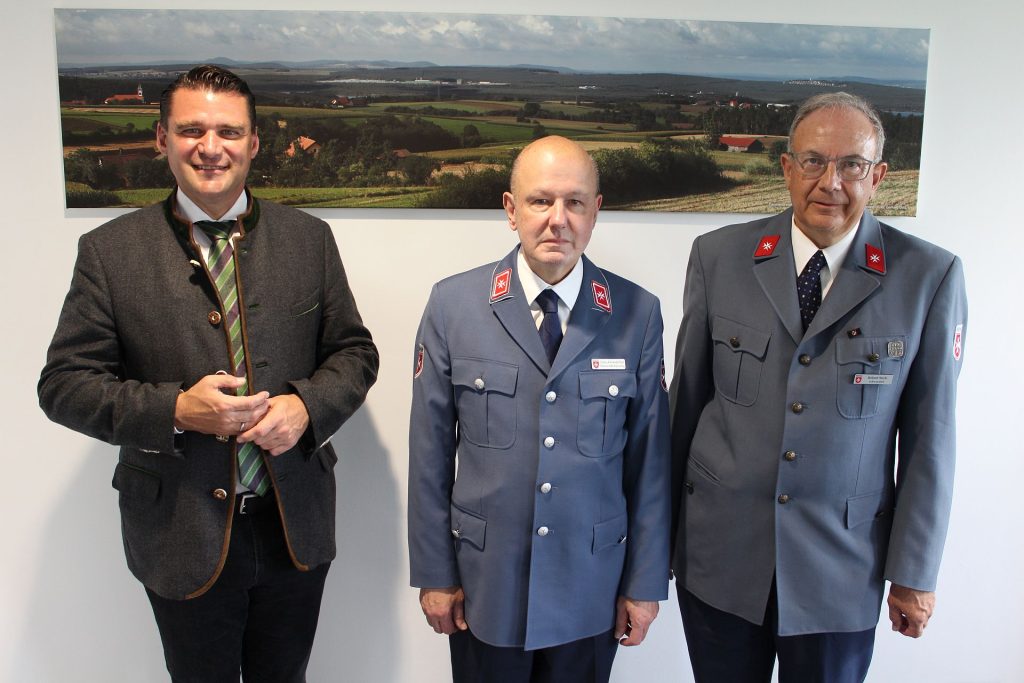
x=161 y=138
x=509 y=202
x=878 y=172
x=255 y=144
x=598 y=202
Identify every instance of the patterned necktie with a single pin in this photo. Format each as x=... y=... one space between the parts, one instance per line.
x=550 y=328
x=221 y=262
x=808 y=288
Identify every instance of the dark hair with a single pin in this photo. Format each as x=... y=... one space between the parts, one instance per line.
x=840 y=100
x=212 y=78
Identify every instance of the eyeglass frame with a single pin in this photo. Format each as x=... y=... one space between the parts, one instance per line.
x=829 y=160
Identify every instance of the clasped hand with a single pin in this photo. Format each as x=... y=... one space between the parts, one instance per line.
x=210 y=406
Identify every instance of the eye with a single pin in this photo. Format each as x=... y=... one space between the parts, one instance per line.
x=852 y=164
x=539 y=202
x=231 y=133
x=814 y=162
x=190 y=132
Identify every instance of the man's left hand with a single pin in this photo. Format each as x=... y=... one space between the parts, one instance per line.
x=632 y=619
x=910 y=609
x=280 y=429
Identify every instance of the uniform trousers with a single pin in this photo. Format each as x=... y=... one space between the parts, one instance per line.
x=588 y=660
x=725 y=648
x=257 y=620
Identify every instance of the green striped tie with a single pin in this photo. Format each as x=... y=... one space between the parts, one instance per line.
x=221 y=262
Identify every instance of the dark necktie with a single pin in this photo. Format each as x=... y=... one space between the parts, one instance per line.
x=808 y=288
x=550 y=329
x=251 y=471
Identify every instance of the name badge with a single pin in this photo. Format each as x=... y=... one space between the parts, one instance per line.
x=608 y=363
x=872 y=379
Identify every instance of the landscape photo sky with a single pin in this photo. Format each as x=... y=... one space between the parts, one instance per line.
x=601 y=44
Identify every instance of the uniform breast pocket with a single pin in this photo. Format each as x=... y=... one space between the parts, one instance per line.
x=869 y=373
x=739 y=354
x=604 y=399
x=485 y=396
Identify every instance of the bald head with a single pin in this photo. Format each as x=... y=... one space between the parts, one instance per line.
x=553 y=205
x=558 y=150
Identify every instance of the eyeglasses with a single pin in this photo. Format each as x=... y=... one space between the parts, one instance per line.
x=849 y=168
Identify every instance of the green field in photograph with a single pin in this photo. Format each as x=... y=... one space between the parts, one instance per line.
x=75 y=120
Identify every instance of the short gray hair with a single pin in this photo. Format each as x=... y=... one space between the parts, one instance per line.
x=839 y=100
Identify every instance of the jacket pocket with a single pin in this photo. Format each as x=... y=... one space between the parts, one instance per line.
x=306 y=305
x=611 y=533
x=468 y=528
x=136 y=486
x=485 y=392
x=858 y=396
x=866 y=507
x=604 y=400
x=739 y=352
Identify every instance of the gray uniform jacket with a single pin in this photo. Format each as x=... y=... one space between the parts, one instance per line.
x=784 y=443
x=561 y=501
x=142 y=322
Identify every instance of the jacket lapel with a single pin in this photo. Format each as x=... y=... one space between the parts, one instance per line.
x=592 y=312
x=776 y=274
x=509 y=304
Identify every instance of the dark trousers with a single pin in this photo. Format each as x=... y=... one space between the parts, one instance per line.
x=725 y=648
x=588 y=660
x=258 y=619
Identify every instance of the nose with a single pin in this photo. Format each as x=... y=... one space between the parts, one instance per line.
x=830 y=178
x=558 y=213
x=209 y=144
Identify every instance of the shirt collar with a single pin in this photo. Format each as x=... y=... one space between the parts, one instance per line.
x=193 y=213
x=804 y=248
x=568 y=289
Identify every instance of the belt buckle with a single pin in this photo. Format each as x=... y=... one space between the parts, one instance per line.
x=246 y=497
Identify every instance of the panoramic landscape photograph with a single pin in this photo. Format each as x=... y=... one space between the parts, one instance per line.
x=389 y=110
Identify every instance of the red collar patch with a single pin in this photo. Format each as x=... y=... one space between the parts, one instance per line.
x=766 y=246
x=874 y=258
x=601 y=297
x=502 y=284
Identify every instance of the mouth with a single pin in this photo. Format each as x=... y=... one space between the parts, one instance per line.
x=208 y=168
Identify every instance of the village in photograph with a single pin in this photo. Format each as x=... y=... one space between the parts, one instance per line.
x=437 y=125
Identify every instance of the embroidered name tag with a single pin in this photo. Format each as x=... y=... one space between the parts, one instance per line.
x=608 y=363
x=872 y=379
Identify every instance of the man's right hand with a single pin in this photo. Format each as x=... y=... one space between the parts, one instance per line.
x=210 y=406
x=443 y=609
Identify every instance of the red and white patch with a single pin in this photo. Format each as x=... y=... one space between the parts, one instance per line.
x=766 y=246
x=664 y=383
x=874 y=258
x=502 y=284
x=602 y=298
x=958 y=342
x=419 y=362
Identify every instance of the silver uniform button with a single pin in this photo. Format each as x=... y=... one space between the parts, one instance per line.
x=613 y=390
x=543 y=531
x=456 y=533
x=478 y=383
x=550 y=397
x=549 y=442
x=545 y=487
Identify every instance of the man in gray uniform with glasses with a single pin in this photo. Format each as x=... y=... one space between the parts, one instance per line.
x=813 y=343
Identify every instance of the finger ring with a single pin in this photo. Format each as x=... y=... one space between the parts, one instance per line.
x=242 y=427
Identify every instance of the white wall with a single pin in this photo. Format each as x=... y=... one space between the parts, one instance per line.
x=69 y=609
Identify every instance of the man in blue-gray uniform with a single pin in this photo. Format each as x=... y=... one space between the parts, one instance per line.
x=811 y=343
x=540 y=381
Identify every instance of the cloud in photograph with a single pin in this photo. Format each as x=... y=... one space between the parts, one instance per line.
x=766 y=50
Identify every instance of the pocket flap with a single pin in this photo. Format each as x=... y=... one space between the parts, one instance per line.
x=866 y=507
x=607 y=384
x=485 y=375
x=136 y=482
x=468 y=527
x=740 y=337
x=610 y=533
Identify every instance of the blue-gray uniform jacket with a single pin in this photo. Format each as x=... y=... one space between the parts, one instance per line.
x=785 y=443
x=542 y=491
